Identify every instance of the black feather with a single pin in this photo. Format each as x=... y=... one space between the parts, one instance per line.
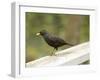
x=53 y=40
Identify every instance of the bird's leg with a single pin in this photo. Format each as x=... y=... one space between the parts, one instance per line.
x=52 y=51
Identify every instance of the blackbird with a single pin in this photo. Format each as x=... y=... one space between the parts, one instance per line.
x=52 y=40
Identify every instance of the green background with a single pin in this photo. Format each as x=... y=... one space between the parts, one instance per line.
x=72 y=28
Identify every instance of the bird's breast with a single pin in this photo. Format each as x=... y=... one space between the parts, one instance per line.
x=52 y=41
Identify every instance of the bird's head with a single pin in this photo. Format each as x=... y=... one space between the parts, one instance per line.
x=43 y=32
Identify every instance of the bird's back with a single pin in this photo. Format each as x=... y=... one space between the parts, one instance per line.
x=54 y=41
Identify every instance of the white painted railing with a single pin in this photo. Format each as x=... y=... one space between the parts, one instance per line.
x=71 y=56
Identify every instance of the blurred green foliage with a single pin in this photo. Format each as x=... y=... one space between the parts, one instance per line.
x=72 y=28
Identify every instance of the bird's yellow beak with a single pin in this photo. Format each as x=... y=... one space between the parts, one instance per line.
x=37 y=34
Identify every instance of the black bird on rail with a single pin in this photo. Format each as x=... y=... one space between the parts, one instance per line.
x=52 y=40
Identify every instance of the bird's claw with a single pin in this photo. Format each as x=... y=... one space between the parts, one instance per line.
x=53 y=54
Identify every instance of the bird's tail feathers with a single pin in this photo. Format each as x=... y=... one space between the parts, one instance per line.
x=69 y=44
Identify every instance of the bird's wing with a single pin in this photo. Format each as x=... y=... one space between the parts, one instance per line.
x=54 y=41
x=57 y=39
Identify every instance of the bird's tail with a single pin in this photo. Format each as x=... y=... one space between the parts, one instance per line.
x=69 y=44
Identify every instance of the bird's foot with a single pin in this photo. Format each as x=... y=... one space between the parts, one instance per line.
x=53 y=54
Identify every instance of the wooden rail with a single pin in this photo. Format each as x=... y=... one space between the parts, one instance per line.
x=71 y=56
